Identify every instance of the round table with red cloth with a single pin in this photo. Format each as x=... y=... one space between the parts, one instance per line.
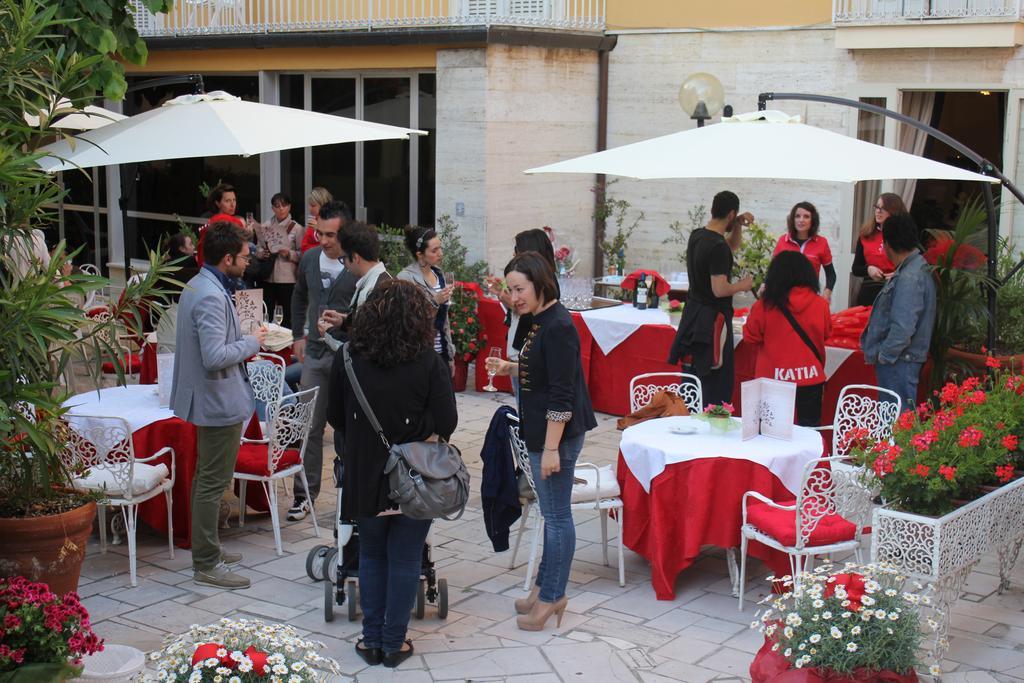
x=693 y=504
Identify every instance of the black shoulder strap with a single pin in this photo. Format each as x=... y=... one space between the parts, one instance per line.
x=803 y=335
x=361 y=397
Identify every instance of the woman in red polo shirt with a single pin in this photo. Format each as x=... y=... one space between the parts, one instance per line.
x=802 y=236
x=870 y=261
x=789 y=324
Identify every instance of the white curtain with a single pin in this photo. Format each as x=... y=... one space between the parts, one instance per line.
x=917 y=105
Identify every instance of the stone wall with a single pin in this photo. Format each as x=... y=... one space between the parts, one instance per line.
x=503 y=110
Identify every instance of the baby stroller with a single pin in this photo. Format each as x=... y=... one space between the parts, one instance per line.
x=338 y=567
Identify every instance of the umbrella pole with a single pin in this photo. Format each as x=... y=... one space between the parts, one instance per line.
x=985 y=167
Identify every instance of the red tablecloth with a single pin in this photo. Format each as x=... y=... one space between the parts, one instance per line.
x=148 y=373
x=181 y=436
x=693 y=504
x=643 y=351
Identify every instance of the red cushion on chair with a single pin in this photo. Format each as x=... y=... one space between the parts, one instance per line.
x=252 y=459
x=781 y=525
x=132 y=360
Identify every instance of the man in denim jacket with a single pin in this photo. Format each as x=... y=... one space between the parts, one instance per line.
x=899 y=331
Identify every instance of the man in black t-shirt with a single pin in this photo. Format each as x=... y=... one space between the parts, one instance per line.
x=703 y=342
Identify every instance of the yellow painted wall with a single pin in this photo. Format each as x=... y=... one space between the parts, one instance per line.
x=289 y=59
x=635 y=14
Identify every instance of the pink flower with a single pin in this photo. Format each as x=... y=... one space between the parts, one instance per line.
x=11 y=621
x=562 y=253
x=729 y=407
x=923 y=441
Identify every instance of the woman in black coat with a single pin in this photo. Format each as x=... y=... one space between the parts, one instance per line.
x=555 y=414
x=408 y=386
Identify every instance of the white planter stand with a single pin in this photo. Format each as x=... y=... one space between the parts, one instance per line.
x=944 y=550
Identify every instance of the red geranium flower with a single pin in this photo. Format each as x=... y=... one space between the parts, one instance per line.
x=921 y=470
x=1004 y=473
x=947 y=471
x=971 y=437
x=993 y=363
x=923 y=441
x=1010 y=442
x=906 y=420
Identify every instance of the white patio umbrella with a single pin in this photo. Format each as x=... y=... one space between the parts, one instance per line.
x=764 y=144
x=87 y=118
x=215 y=124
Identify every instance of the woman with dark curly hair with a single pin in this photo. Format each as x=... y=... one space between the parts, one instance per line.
x=407 y=385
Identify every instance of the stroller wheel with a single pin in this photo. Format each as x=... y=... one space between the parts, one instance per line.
x=328 y=601
x=315 y=562
x=421 y=599
x=442 y=598
x=351 y=598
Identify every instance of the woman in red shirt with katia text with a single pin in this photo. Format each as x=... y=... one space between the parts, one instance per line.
x=870 y=261
x=789 y=324
x=802 y=236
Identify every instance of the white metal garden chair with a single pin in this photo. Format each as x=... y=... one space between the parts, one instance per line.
x=266 y=376
x=281 y=456
x=863 y=406
x=101 y=454
x=600 y=493
x=829 y=515
x=642 y=389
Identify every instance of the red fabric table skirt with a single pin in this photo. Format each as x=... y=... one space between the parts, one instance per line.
x=147 y=373
x=181 y=436
x=646 y=350
x=693 y=504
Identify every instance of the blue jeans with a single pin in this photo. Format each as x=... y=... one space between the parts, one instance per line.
x=901 y=377
x=553 y=497
x=390 y=560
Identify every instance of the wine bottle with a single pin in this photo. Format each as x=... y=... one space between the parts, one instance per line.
x=641 y=293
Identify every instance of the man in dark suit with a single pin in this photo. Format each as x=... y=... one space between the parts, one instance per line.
x=211 y=390
x=323 y=284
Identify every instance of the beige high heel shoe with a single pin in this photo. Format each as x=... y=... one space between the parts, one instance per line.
x=541 y=612
x=524 y=605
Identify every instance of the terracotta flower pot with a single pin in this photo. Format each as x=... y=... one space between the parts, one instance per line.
x=976 y=361
x=47 y=549
x=460 y=376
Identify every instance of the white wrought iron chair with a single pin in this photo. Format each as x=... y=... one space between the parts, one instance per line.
x=642 y=389
x=829 y=515
x=863 y=406
x=101 y=454
x=600 y=493
x=280 y=457
x=266 y=376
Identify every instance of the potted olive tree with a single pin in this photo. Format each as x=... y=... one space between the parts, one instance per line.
x=49 y=51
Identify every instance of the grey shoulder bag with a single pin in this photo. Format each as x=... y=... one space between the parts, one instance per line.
x=427 y=479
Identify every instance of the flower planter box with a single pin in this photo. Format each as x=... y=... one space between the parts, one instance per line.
x=943 y=550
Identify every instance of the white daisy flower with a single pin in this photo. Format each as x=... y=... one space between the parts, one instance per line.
x=221 y=652
x=815 y=637
x=234 y=679
x=855 y=631
x=867 y=600
x=280 y=669
x=894 y=616
x=836 y=633
x=935 y=670
x=818 y=604
x=851 y=647
x=788 y=631
x=880 y=614
x=788 y=652
x=223 y=671
x=826 y=614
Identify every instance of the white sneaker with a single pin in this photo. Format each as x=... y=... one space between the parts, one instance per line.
x=299 y=509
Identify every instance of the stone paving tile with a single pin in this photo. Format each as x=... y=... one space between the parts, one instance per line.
x=608 y=632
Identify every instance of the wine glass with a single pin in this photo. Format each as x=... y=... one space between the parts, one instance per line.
x=495 y=352
x=449 y=278
x=278 y=314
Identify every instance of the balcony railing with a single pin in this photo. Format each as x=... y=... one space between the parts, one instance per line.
x=217 y=17
x=906 y=11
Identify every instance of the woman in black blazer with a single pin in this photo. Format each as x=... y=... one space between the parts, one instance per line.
x=555 y=414
x=408 y=386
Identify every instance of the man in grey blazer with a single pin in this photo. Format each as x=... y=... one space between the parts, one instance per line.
x=323 y=282
x=211 y=390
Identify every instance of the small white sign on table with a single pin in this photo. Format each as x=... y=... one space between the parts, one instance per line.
x=768 y=406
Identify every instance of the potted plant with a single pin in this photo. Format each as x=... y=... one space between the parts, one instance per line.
x=44 y=524
x=948 y=481
x=854 y=623
x=958 y=262
x=241 y=650
x=467 y=334
x=755 y=253
x=610 y=211
x=44 y=636
x=970 y=352
x=719 y=417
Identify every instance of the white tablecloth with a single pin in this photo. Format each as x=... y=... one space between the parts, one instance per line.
x=139 y=404
x=611 y=326
x=649 y=446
